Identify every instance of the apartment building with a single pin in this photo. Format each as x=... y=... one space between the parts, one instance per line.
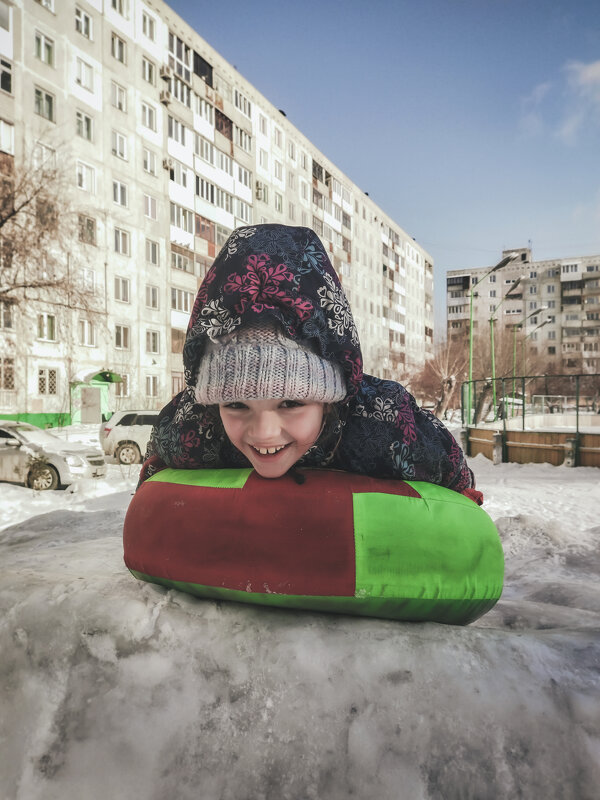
x=555 y=304
x=167 y=149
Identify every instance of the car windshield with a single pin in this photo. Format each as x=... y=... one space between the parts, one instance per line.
x=35 y=435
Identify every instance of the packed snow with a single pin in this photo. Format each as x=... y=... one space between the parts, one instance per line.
x=112 y=688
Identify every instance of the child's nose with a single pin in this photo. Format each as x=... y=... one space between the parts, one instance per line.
x=265 y=425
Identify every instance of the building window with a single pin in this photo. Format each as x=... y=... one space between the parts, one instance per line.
x=278 y=170
x=152 y=252
x=122 y=337
x=242 y=103
x=122 y=388
x=47 y=381
x=204 y=110
x=291 y=212
x=148 y=26
x=224 y=125
x=44 y=104
x=292 y=151
x=118 y=96
x=87 y=229
x=119 y=145
x=551 y=288
x=7 y=374
x=262 y=124
x=6 y=315
x=83 y=23
x=151 y=296
x=87 y=333
x=151 y=385
x=278 y=202
x=244 y=211
x=7 y=137
x=120 y=193
x=84 y=75
x=181 y=300
x=118 y=48
x=44 y=48
x=5 y=76
x=86 y=177
x=88 y=280
x=120 y=6
x=152 y=342
x=148 y=116
x=122 y=289
x=180 y=55
x=277 y=137
x=242 y=139
x=149 y=160
x=121 y=241
x=148 y=71
x=84 y=125
x=46 y=327
x=182 y=218
x=181 y=91
x=150 y=207
x=263 y=159
x=176 y=383
x=244 y=176
x=176 y=130
x=181 y=261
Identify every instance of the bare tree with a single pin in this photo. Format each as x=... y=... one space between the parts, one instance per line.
x=439 y=380
x=39 y=233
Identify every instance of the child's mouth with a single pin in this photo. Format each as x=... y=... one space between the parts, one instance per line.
x=268 y=451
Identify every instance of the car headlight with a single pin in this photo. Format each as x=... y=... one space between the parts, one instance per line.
x=75 y=461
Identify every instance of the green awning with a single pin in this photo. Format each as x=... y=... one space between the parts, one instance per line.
x=105 y=376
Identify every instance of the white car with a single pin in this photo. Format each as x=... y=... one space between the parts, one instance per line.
x=41 y=460
x=126 y=434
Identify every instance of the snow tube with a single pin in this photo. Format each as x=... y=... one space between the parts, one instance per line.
x=338 y=542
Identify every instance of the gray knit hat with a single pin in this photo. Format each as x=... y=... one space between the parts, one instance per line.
x=259 y=362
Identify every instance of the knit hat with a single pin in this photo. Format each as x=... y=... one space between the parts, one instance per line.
x=259 y=362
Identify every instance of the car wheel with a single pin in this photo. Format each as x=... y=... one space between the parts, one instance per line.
x=128 y=453
x=43 y=478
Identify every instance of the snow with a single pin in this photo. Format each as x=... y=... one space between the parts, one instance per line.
x=111 y=688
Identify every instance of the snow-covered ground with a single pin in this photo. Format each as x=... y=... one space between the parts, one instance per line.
x=115 y=689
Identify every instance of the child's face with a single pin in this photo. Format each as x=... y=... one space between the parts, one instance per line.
x=287 y=428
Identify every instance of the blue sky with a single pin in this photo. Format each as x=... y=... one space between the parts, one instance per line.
x=475 y=124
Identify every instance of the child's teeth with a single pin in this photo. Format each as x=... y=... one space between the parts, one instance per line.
x=269 y=450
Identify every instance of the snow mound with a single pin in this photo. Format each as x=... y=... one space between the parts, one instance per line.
x=112 y=688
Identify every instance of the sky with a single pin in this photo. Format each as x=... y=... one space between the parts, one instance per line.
x=474 y=124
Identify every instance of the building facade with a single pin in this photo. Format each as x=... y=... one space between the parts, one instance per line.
x=555 y=305
x=167 y=149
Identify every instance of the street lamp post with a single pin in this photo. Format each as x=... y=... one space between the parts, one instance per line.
x=507 y=296
x=506 y=260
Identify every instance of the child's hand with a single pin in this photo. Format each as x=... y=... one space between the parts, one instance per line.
x=475 y=495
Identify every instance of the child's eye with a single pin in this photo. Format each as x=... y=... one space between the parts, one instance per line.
x=291 y=404
x=235 y=406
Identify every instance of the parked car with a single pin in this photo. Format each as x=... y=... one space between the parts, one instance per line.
x=126 y=434
x=41 y=460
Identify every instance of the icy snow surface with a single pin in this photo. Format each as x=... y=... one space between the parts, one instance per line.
x=111 y=689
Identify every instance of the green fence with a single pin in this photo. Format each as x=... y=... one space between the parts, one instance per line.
x=511 y=401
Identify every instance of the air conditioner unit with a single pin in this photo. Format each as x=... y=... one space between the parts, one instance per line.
x=166 y=73
x=165 y=97
x=167 y=163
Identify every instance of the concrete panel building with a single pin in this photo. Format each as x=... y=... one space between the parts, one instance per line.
x=167 y=149
x=556 y=304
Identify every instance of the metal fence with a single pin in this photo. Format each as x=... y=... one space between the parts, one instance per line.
x=541 y=401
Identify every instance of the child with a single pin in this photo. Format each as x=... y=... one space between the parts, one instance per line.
x=274 y=378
